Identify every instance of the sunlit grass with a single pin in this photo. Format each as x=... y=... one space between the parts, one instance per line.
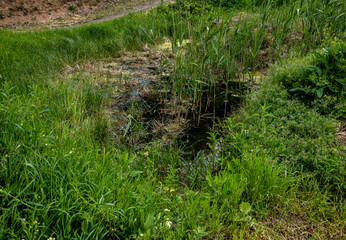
x=64 y=176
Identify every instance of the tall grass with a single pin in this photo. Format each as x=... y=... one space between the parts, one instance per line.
x=27 y=56
x=62 y=176
x=223 y=50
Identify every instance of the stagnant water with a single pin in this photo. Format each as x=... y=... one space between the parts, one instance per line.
x=136 y=80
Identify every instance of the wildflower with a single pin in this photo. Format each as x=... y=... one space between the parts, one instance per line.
x=169 y=224
x=166 y=210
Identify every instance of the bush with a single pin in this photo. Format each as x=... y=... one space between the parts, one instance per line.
x=319 y=81
x=291 y=135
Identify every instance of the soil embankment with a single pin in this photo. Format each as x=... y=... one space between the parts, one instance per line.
x=57 y=13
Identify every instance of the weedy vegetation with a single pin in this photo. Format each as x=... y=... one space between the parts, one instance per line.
x=69 y=172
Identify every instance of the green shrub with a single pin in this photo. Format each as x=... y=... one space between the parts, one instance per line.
x=187 y=7
x=62 y=176
x=319 y=81
x=72 y=8
x=299 y=139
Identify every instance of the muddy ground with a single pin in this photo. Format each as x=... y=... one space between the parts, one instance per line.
x=134 y=81
x=54 y=13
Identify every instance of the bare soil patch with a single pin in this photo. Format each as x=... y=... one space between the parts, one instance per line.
x=342 y=133
x=287 y=226
x=55 y=13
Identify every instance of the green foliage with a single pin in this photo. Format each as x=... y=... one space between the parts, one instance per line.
x=320 y=82
x=289 y=133
x=62 y=175
x=72 y=7
x=192 y=7
x=323 y=18
x=27 y=57
x=222 y=49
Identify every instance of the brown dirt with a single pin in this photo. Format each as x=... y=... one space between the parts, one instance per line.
x=342 y=133
x=57 y=13
x=288 y=226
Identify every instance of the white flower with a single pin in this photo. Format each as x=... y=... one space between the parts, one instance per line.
x=167 y=210
x=169 y=224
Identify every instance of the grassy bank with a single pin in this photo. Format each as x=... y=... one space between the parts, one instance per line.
x=64 y=176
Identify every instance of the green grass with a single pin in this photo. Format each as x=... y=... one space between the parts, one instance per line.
x=320 y=80
x=27 y=56
x=64 y=176
x=224 y=46
x=303 y=144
